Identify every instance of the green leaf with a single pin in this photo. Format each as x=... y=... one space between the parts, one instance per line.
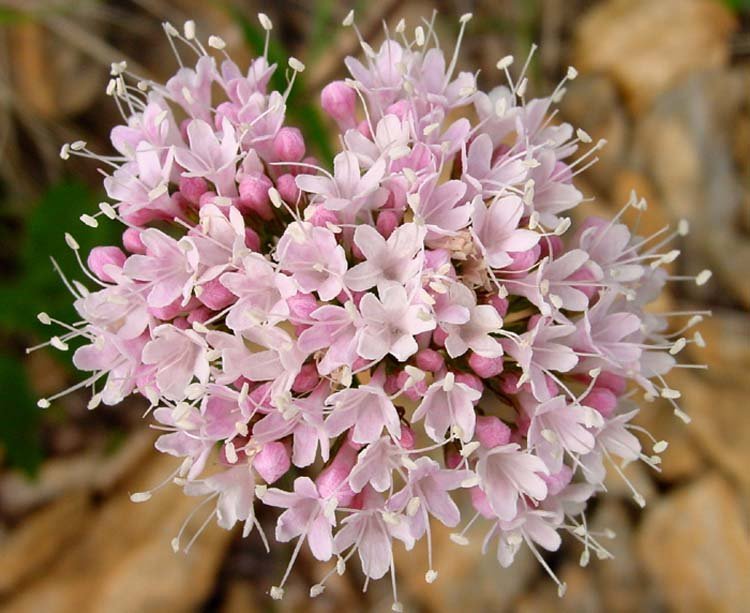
x=300 y=110
x=38 y=287
x=19 y=418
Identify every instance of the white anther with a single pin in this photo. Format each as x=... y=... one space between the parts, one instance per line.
x=465 y=18
x=296 y=65
x=583 y=136
x=44 y=318
x=189 y=29
x=571 y=74
x=431 y=576
x=265 y=22
x=449 y=381
x=216 y=42
x=660 y=446
x=400 y=26
x=469 y=448
x=683 y=227
x=277 y=593
x=419 y=36
x=669 y=393
x=275 y=197
x=43 y=403
x=58 y=344
x=348 y=20
x=65 y=151
x=505 y=62
x=678 y=346
x=459 y=539
x=90 y=221
x=140 y=496
x=71 y=242
x=316 y=590
x=413 y=506
x=703 y=277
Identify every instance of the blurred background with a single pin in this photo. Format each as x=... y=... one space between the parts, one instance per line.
x=666 y=82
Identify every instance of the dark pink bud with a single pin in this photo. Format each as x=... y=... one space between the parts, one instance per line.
x=616 y=383
x=272 y=461
x=586 y=275
x=306 y=380
x=288 y=145
x=339 y=102
x=102 y=258
x=252 y=240
x=400 y=109
x=287 y=187
x=408 y=439
x=523 y=260
x=388 y=221
x=321 y=217
x=509 y=383
x=551 y=245
x=181 y=323
x=500 y=304
x=430 y=360
x=557 y=482
x=332 y=480
x=485 y=367
x=215 y=296
x=601 y=399
x=491 y=431
x=206 y=198
x=192 y=188
x=301 y=305
x=452 y=458
x=415 y=391
x=481 y=504
x=131 y=240
x=364 y=129
x=168 y=312
x=439 y=336
x=470 y=380
x=199 y=314
x=254 y=196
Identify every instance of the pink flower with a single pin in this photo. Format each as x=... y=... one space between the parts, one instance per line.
x=336 y=329
x=391 y=323
x=393 y=260
x=307 y=516
x=506 y=473
x=209 y=156
x=496 y=230
x=177 y=356
x=448 y=404
x=314 y=259
x=476 y=332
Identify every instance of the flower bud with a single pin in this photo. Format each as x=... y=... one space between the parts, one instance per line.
x=192 y=188
x=306 y=380
x=430 y=360
x=491 y=431
x=321 y=217
x=339 y=101
x=551 y=245
x=500 y=304
x=332 y=480
x=131 y=240
x=523 y=260
x=272 y=461
x=470 y=380
x=587 y=276
x=301 y=305
x=288 y=145
x=601 y=399
x=287 y=187
x=215 y=296
x=102 y=258
x=485 y=367
x=254 y=196
x=388 y=221
x=557 y=482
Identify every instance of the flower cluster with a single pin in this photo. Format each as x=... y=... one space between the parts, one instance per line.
x=372 y=338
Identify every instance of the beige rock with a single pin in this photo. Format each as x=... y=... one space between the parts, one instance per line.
x=649 y=46
x=41 y=538
x=695 y=546
x=124 y=561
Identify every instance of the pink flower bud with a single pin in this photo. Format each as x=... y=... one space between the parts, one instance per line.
x=254 y=196
x=363 y=127
x=102 y=258
x=415 y=391
x=557 y=482
x=430 y=360
x=438 y=336
x=339 y=102
x=168 y=312
x=452 y=458
x=321 y=217
x=206 y=198
x=332 y=480
x=272 y=461
x=509 y=383
x=491 y=431
x=288 y=145
x=301 y=305
x=131 y=240
x=485 y=367
x=551 y=245
x=500 y=304
x=523 y=260
x=215 y=296
x=611 y=381
x=192 y=188
x=587 y=276
x=306 y=380
x=470 y=380
x=400 y=109
x=287 y=187
x=388 y=221
x=252 y=240
x=408 y=439
x=199 y=314
x=181 y=323
x=481 y=504
x=601 y=399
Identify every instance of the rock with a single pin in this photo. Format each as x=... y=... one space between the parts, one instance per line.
x=695 y=546
x=648 y=47
x=580 y=596
x=124 y=561
x=467 y=580
x=727 y=350
x=593 y=104
x=41 y=538
x=720 y=423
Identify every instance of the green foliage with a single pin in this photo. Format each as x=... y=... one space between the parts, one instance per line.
x=301 y=111
x=738 y=6
x=37 y=287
